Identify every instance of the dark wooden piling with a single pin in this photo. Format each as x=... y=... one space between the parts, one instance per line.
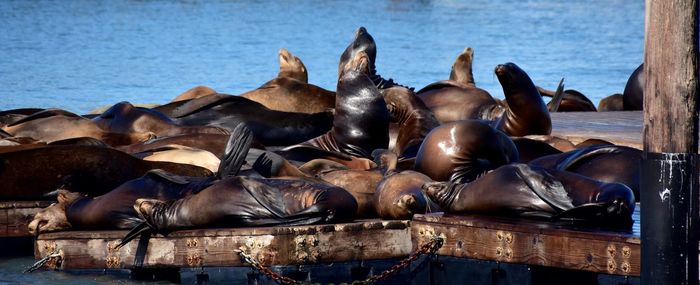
x=669 y=169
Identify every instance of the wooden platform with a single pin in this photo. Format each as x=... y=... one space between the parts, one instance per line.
x=525 y=241
x=363 y=240
x=623 y=127
x=15 y=216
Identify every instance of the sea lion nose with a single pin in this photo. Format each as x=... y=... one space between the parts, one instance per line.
x=500 y=69
x=361 y=31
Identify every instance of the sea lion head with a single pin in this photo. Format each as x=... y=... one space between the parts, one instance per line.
x=363 y=42
x=357 y=66
x=512 y=78
x=618 y=199
x=291 y=66
x=53 y=217
x=462 y=68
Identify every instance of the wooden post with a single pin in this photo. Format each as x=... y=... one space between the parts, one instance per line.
x=669 y=189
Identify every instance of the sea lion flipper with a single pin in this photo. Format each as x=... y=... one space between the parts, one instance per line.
x=554 y=104
x=584 y=154
x=133 y=233
x=268 y=164
x=85 y=141
x=43 y=114
x=546 y=187
x=160 y=174
x=4 y=134
x=200 y=103
x=236 y=151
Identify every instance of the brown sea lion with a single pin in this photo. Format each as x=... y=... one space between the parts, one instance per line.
x=270 y=127
x=611 y=103
x=458 y=98
x=10 y=116
x=28 y=172
x=194 y=92
x=522 y=190
x=240 y=201
x=61 y=127
x=561 y=144
x=607 y=163
x=573 y=101
x=361 y=121
x=290 y=91
x=181 y=154
x=399 y=194
x=213 y=143
x=124 y=117
x=633 y=96
x=462 y=151
x=364 y=42
x=526 y=113
x=411 y=120
x=530 y=149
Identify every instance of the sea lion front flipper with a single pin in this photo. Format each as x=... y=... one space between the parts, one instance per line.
x=545 y=186
x=606 y=214
x=44 y=114
x=235 y=152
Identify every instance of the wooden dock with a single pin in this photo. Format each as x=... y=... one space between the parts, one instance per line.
x=15 y=216
x=622 y=128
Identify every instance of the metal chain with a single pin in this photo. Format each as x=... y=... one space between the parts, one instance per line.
x=430 y=247
x=54 y=254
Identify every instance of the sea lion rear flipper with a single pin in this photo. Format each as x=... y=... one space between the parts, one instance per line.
x=546 y=187
x=553 y=104
x=605 y=214
x=195 y=105
x=133 y=233
x=43 y=114
x=268 y=164
x=236 y=151
x=162 y=174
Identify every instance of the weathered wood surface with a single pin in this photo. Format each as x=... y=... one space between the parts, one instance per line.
x=363 y=240
x=623 y=127
x=15 y=216
x=533 y=242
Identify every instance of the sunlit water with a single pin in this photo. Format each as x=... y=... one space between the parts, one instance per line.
x=79 y=55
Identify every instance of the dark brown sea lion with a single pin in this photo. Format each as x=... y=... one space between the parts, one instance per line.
x=290 y=91
x=125 y=118
x=30 y=171
x=530 y=149
x=573 y=101
x=462 y=151
x=61 y=127
x=526 y=113
x=240 y=202
x=270 y=127
x=607 y=163
x=411 y=120
x=10 y=116
x=364 y=42
x=360 y=184
x=611 y=103
x=194 y=92
x=361 y=121
x=522 y=190
x=399 y=194
x=633 y=96
x=458 y=98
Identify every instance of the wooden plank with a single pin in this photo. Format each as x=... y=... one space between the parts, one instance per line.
x=622 y=128
x=16 y=215
x=532 y=242
x=363 y=240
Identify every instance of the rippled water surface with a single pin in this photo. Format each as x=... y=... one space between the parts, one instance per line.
x=79 y=55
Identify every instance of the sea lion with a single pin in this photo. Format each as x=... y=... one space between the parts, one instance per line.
x=361 y=121
x=364 y=42
x=530 y=149
x=290 y=91
x=611 y=103
x=114 y=210
x=458 y=98
x=30 y=171
x=124 y=117
x=65 y=126
x=213 y=143
x=10 y=116
x=462 y=151
x=572 y=101
x=633 y=96
x=240 y=202
x=194 y=92
x=528 y=191
x=526 y=113
x=399 y=194
x=270 y=127
x=561 y=144
x=411 y=120
x=181 y=154
x=607 y=163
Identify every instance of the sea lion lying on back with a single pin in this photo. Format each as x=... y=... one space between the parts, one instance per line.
x=521 y=190
x=290 y=91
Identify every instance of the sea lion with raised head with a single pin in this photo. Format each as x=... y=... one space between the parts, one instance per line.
x=458 y=98
x=290 y=90
x=526 y=114
x=528 y=191
x=611 y=103
x=464 y=150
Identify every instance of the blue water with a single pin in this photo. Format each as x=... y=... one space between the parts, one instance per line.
x=79 y=55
